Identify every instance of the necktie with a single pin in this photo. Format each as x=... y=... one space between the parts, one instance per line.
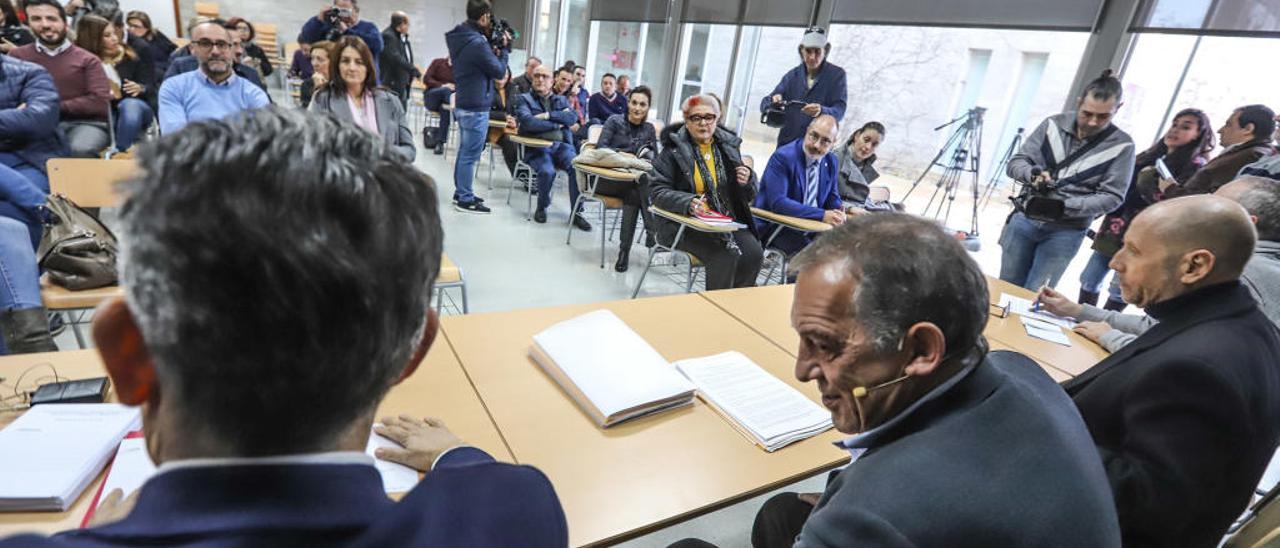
x=811 y=185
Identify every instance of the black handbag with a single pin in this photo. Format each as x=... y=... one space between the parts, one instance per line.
x=77 y=251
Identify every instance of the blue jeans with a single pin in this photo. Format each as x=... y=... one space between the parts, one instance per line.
x=473 y=130
x=19 y=275
x=432 y=99
x=546 y=161
x=1095 y=272
x=1036 y=253
x=23 y=189
x=133 y=116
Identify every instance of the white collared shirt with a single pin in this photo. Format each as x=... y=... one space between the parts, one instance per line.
x=332 y=457
x=66 y=45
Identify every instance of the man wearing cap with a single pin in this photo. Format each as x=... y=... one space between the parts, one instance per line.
x=818 y=84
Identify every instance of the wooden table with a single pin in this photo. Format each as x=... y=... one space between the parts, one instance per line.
x=767 y=310
x=438 y=388
x=648 y=473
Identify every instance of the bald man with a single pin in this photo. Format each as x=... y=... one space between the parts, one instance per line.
x=800 y=181
x=1186 y=416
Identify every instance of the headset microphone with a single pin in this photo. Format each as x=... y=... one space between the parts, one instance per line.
x=860 y=392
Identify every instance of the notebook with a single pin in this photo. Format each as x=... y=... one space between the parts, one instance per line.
x=608 y=369
x=53 y=451
x=769 y=412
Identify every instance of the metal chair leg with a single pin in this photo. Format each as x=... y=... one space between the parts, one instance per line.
x=75 y=328
x=688 y=288
x=465 y=308
x=576 y=203
x=648 y=264
x=603 y=213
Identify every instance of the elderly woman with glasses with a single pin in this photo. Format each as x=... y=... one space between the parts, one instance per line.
x=699 y=172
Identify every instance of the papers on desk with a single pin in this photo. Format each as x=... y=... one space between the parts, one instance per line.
x=396 y=478
x=1045 y=331
x=53 y=451
x=608 y=369
x=769 y=412
x=1022 y=307
x=716 y=218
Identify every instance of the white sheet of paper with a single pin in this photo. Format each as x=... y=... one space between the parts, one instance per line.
x=1045 y=331
x=1022 y=307
x=396 y=478
x=52 y=452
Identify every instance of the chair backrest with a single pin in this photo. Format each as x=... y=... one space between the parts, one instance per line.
x=267 y=38
x=89 y=182
x=593 y=133
x=180 y=42
x=207 y=9
x=879 y=193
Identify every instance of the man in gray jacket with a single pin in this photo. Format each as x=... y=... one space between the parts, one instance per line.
x=1075 y=167
x=1261 y=198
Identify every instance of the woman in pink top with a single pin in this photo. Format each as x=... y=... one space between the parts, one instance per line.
x=353 y=95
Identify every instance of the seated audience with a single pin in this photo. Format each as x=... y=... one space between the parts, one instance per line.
x=631 y=131
x=606 y=102
x=951 y=445
x=1269 y=166
x=254 y=56
x=502 y=109
x=353 y=96
x=719 y=183
x=800 y=181
x=211 y=92
x=346 y=23
x=1261 y=198
x=300 y=66
x=28 y=139
x=440 y=87
x=12 y=31
x=1184 y=149
x=546 y=115
x=158 y=45
x=1246 y=138
x=570 y=86
x=857 y=170
x=82 y=83
x=131 y=81
x=24 y=323
x=1187 y=416
x=320 y=54
x=199 y=339
x=524 y=82
x=189 y=63
x=624 y=84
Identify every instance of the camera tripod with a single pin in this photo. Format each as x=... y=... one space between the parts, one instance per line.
x=997 y=172
x=965 y=146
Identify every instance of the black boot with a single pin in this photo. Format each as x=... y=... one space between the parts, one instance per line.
x=1116 y=305
x=1088 y=297
x=26 y=331
x=624 y=260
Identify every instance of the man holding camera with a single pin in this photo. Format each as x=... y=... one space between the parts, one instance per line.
x=339 y=19
x=1075 y=167
x=816 y=83
x=479 y=56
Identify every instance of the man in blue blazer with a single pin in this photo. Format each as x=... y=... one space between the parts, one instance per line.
x=546 y=115
x=817 y=83
x=800 y=181
x=259 y=331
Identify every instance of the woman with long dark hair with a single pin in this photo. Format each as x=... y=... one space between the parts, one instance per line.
x=159 y=46
x=1183 y=149
x=131 y=79
x=353 y=95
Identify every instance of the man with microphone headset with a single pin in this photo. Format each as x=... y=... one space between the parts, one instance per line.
x=951 y=445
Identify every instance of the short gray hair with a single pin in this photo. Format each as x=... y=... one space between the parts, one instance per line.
x=1261 y=199
x=908 y=270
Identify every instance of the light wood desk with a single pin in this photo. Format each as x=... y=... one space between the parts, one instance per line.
x=645 y=474
x=439 y=388
x=767 y=310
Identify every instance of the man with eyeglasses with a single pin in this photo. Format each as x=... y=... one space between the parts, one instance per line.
x=817 y=83
x=212 y=92
x=546 y=115
x=800 y=181
x=189 y=63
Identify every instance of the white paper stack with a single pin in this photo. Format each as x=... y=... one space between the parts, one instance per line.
x=52 y=452
x=1022 y=307
x=760 y=406
x=608 y=369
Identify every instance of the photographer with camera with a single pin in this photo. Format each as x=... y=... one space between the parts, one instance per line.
x=815 y=87
x=1074 y=168
x=339 y=19
x=478 y=49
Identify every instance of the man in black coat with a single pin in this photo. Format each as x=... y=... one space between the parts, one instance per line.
x=951 y=445
x=396 y=59
x=1186 y=416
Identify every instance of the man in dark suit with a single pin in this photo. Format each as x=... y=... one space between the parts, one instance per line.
x=951 y=445
x=1187 y=415
x=258 y=388
x=396 y=59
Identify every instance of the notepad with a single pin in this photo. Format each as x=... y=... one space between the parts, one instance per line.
x=608 y=369
x=1045 y=331
x=53 y=451
x=1022 y=307
x=769 y=412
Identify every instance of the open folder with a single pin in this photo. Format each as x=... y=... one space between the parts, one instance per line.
x=608 y=369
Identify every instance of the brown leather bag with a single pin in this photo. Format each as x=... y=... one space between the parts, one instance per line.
x=77 y=251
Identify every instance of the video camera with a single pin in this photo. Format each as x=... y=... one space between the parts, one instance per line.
x=776 y=115
x=498 y=32
x=1036 y=201
x=332 y=18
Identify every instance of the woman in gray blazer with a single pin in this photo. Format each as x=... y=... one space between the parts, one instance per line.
x=353 y=96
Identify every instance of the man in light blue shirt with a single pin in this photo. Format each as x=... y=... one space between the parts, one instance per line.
x=214 y=91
